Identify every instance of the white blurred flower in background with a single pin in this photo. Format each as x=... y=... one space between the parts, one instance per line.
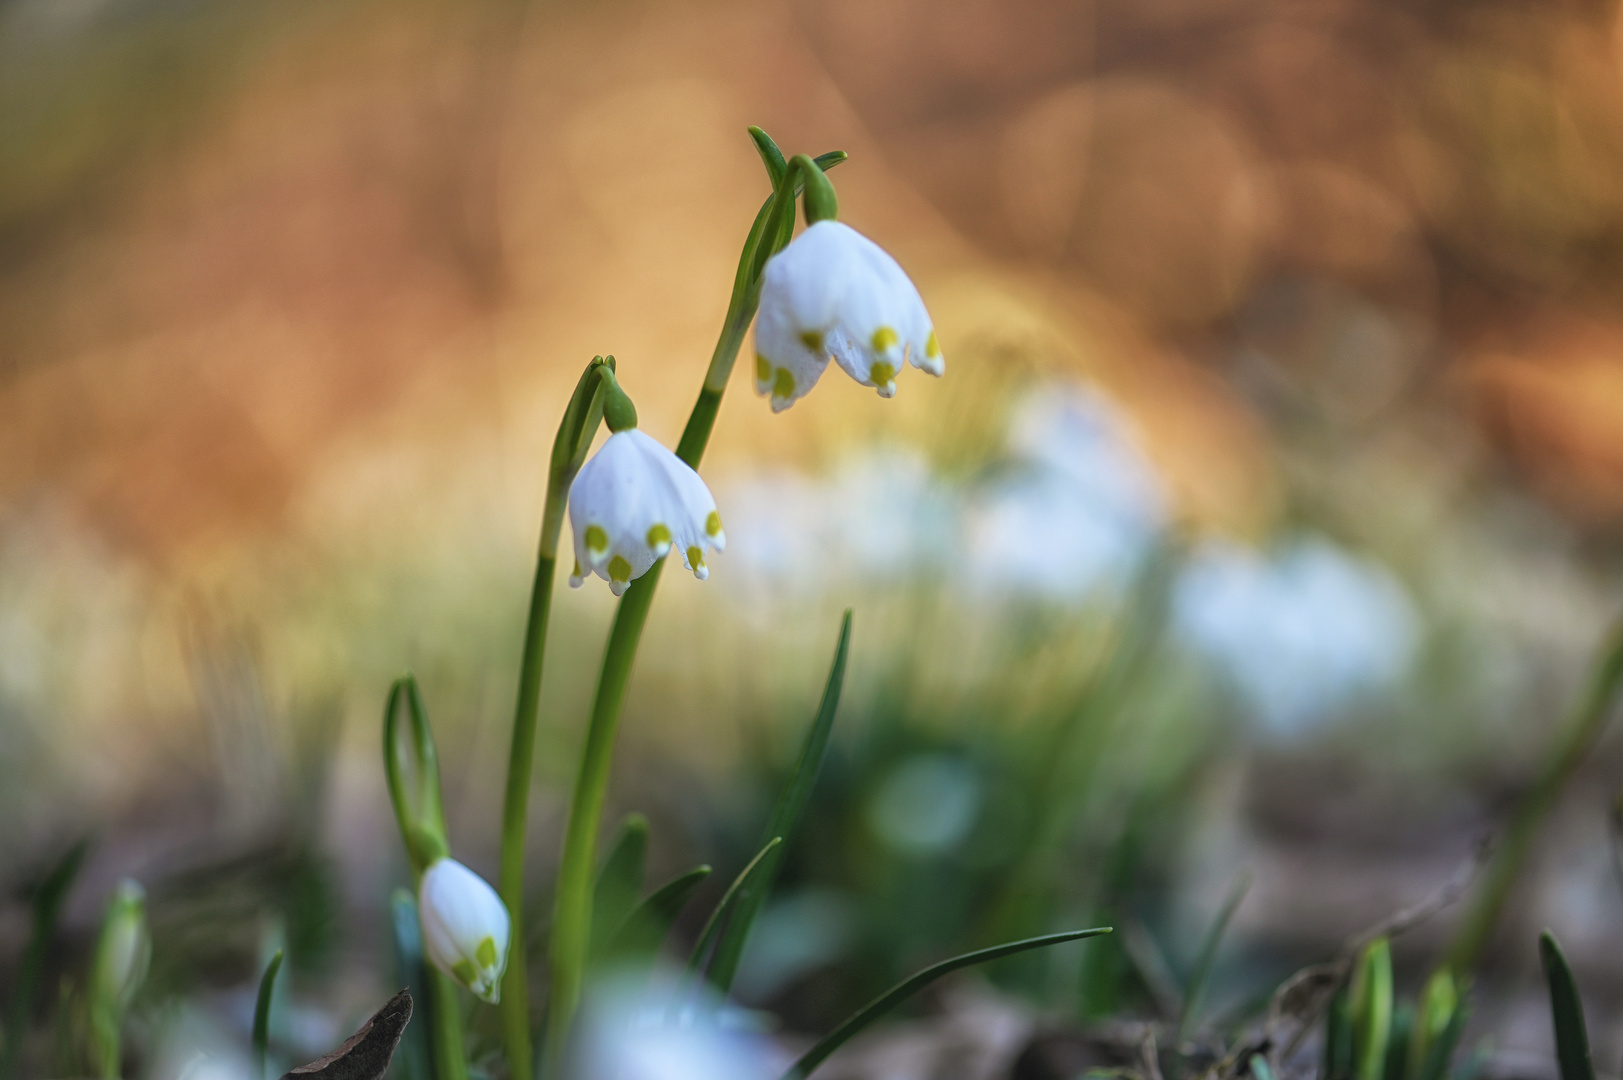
x=628 y=1034
x=1080 y=509
x=1073 y=509
x=1300 y=635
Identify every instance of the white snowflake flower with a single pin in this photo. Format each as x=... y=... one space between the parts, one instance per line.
x=834 y=293
x=465 y=927
x=631 y=504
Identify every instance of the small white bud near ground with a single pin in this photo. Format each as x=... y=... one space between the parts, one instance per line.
x=124 y=948
x=834 y=293
x=465 y=927
x=632 y=504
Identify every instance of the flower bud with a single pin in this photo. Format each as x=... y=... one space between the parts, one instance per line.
x=122 y=950
x=465 y=927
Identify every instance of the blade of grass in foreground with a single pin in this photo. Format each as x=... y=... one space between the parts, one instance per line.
x=47 y=907
x=785 y=818
x=905 y=989
x=639 y=936
x=619 y=883
x=1584 y=728
x=1571 y=1036
x=1196 y=989
x=267 y=986
x=718 y=917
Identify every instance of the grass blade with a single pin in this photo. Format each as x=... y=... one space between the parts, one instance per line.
x=267 y=985
x=48 y=900
x=1441 y=1050
x=1584 y=727
x=412 y=1059
x=1372 y=1010
x=619 y=883
x=905 y=989
x=785 y=818
x=1571 y=1037
x=1195 y=989
x=718 y=917
x=641 y=933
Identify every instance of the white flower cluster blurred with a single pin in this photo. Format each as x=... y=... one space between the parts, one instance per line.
x=1066 y=516
x=631 y=1033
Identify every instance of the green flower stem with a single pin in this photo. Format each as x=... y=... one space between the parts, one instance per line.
x=515 y=1005
x=572 y=913
x=450 y=1060
x=572 y=919
x=1583 y=729
x=575 y=435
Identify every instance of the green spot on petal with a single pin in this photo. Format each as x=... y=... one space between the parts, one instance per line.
x=596 y=538
x=784 y=385
x=763 y=369
x=881 y=373
x=884 y=339
x=659 y=537
x=712 y=524
x=813 y=341
x=486 y=952
x=465 y=972
x=932 y=347
x=695 y=557
x=619 y=569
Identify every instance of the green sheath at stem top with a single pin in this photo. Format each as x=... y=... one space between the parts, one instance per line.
x=420 y=811
x=572 y=915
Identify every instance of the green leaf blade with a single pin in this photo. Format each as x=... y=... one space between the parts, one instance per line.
x=905 y=989
x=619 y=883
x=638 y=938
x=262 y=1007
x=1567 y=1013
x=785 y=818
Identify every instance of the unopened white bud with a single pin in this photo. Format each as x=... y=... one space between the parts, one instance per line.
x=465 y=927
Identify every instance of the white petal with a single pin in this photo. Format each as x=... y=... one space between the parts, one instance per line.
x=647 y=501
x=459 y=911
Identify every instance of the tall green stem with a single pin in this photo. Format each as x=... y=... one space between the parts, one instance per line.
x=575 y=434
x=572 y=920
x=515 y=1006
x=1583 y=729
x=572 y=914
x=450 y=1060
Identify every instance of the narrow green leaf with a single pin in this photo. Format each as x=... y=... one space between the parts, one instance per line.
x=1584 y=726
x=905 y=989
x=1371 y=1000
x=642 y=932
x=1439 y=1001
x=267 y=986
x=785 y=818
x=771 y=156
x=412 y=1060
x=619 y=883
x=1338 y=1037
x=47 y=905
x=718 y=918
x=1195 y=989
x=1260 y=1068
x=1397 y=1042
x=1441 y=1050
x=1571 y=1037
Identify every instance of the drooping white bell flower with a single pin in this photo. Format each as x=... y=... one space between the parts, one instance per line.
x=834 y=293
x=631 y=504
x=465 y=927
